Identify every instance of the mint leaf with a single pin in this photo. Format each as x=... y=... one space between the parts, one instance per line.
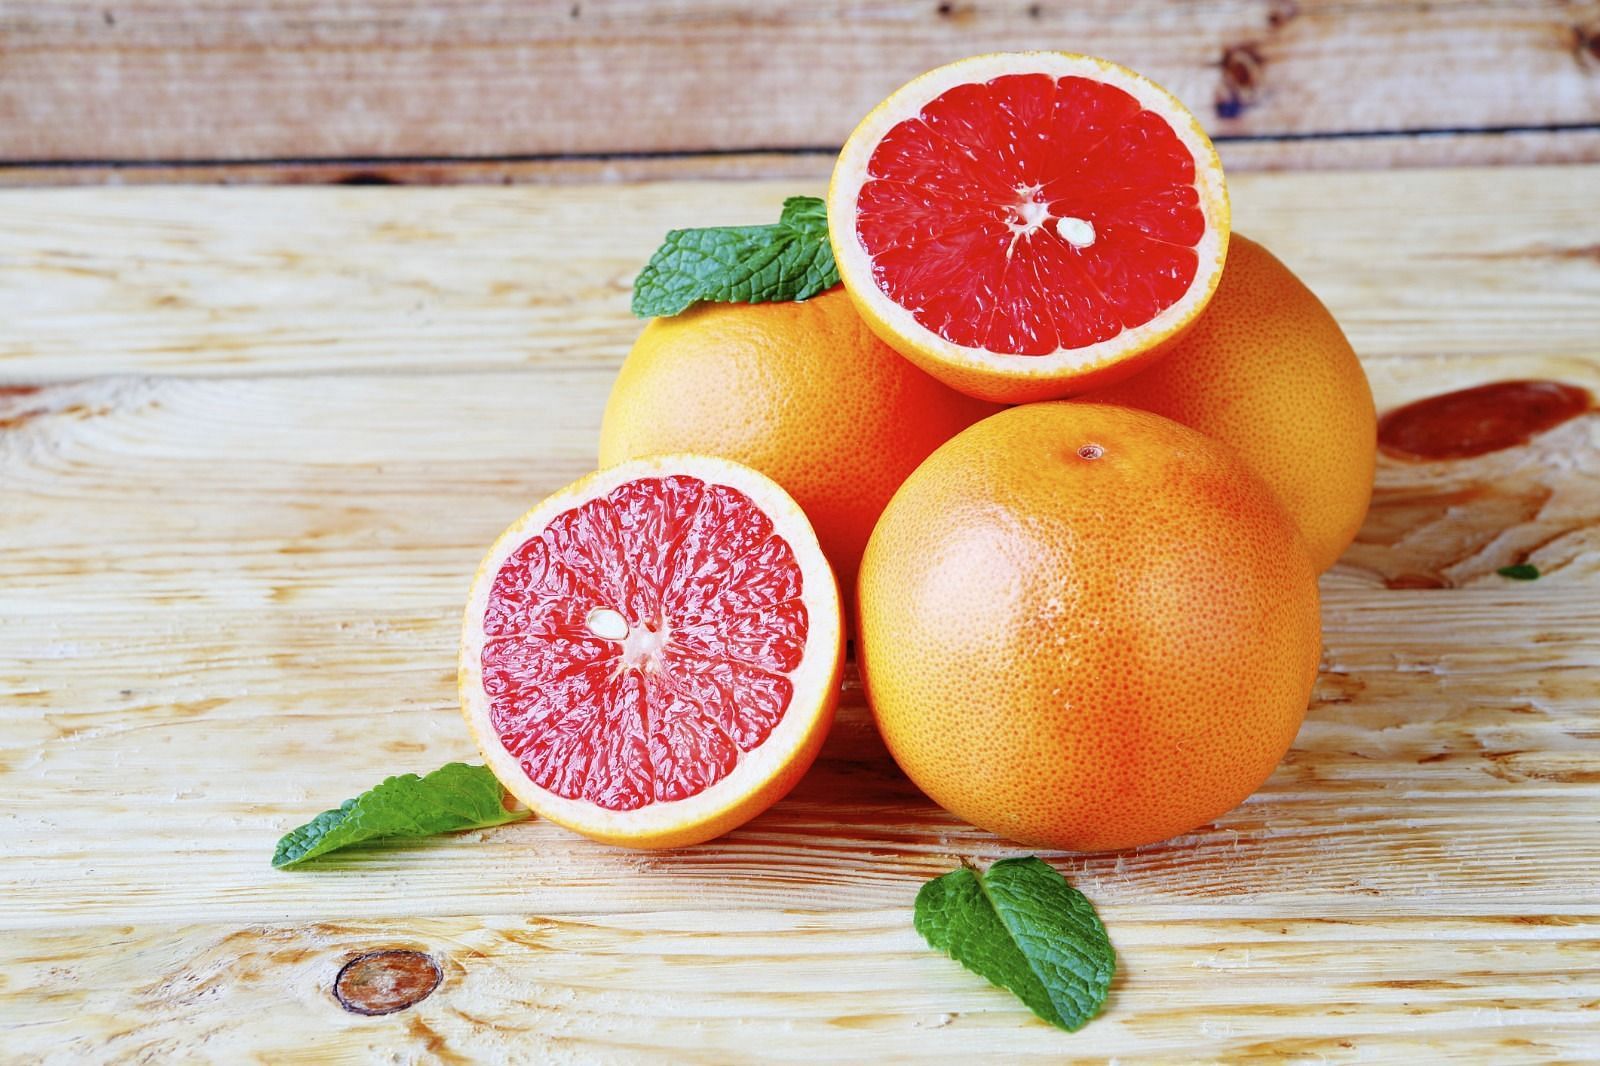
x=1520 y=572
x=1021 y=926
x=807 y=215
x=789 y=260
x=455 y=796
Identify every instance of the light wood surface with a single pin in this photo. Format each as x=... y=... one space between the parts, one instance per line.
x=297 y=80
x=179 y=281
x=253 y=442
x=805 y=985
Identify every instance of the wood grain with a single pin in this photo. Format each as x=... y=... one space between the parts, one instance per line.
x=320 y=281
x=252 y=443
x=812 y=168
x=1251 y=987
x=309 y=79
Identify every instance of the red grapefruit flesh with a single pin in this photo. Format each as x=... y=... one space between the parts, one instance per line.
x=651 y=656
x=1027 y=225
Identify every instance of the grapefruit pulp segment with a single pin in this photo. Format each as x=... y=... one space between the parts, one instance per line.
x=1019 y=223
x=651 y=655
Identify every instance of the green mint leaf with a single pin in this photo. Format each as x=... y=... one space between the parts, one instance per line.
x=1520 y=572
x=455 y=796
x=1021 y=926
x=789 y=260
x=807 y=215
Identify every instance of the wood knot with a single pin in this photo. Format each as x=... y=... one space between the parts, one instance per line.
x=1586 y=42
x=947 y=9
x=382 y=982
x=1281 y=12
x=1242 y=67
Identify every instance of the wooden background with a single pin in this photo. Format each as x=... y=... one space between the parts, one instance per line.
x=253 y=442
x=462 y=90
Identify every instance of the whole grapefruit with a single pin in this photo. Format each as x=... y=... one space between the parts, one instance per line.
x=803 y=392
x=1267 y=370
x=1087 y=627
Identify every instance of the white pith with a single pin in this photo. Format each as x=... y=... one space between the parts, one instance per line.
x=641 y=648
x=1028 y=213
x=855 y=265
x=812 y=679
x=642 y=640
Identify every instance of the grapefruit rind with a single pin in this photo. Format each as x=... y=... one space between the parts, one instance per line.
x=764 y=774
x=1066 y=371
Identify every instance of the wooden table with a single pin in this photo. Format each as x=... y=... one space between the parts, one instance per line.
x=254 y=441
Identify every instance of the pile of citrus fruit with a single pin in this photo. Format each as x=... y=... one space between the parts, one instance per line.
x=1062 y=453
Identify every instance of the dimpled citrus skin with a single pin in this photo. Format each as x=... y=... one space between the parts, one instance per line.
x=803 y=392
x=1087 y=651
x=1267 y=370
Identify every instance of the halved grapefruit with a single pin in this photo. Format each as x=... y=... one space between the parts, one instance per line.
x=651 y=656
x=1028 y=225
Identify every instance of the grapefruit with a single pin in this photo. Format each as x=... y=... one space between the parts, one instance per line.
x=651 y=656
x=803 y=392
x=1087 y=627
x=1026 y=226
x=1267 y=370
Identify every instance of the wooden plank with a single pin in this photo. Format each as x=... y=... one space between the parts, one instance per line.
x=1239 y=156
x=809 y=167
x=1250 y=987
x=1414 y=150
x=306 y=79
x=189 y=281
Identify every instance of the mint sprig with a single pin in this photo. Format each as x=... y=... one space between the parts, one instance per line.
x=1021 y=926
x=1520 y=572
x=789 y=260
x=455 y=796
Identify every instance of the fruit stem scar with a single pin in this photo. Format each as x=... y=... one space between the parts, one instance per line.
x=607 y=624
x=1091 y=451
x=1078 y=232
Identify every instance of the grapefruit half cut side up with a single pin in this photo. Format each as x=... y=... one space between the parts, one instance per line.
x=1029 y=225
x=651 y=656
